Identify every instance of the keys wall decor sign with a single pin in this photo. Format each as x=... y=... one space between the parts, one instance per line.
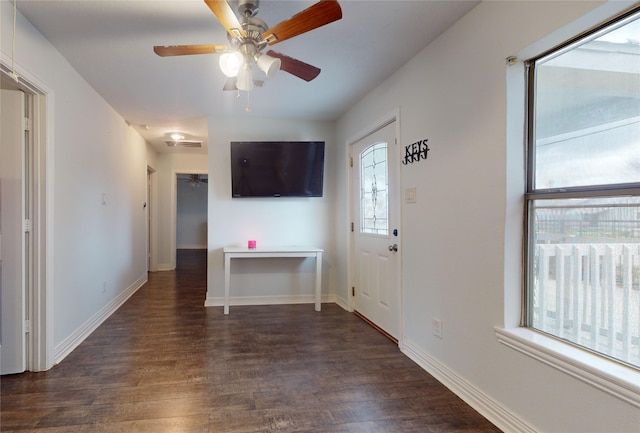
x=415 y=152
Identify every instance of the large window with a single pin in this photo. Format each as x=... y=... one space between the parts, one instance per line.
x=583 y=192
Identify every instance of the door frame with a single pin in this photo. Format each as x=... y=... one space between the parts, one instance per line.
x=391 y=117
x=16 y=163
x=40 y=349
x=151 y=208
x=174 y=208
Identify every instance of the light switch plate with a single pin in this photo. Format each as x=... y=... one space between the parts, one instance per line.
x=410 y=194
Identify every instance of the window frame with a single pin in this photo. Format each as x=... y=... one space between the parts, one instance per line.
x=532 y=194
x=610 y=377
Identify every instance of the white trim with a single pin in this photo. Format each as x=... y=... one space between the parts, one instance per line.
x=79 y=335
x=47 y=358
x=40 y=343
x=218 y=301
x=174 y=214
x=491 y=409
x=152 y=218
x=173 y=220
x=343 y=303
x=606 y=375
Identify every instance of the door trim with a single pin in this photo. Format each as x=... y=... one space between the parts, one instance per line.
x=151 y=208
x=15 y=166
x=391 y=117
x=40 y=300
x=174 y=209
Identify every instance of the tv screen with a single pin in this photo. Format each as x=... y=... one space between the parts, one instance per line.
x=277 y=168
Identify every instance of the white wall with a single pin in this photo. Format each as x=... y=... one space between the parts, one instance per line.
x=191 y=223
x=453 y=239
x=279 y=221
x=98 y=251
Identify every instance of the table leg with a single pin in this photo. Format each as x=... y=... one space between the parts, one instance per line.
x=227 y=276
x=318 y=280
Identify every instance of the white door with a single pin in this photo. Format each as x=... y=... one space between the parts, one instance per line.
x=375 y=229
x=12 y=245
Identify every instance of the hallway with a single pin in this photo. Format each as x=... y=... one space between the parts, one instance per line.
x=163 y=363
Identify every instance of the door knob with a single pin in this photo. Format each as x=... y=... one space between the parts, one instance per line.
x=393 y=248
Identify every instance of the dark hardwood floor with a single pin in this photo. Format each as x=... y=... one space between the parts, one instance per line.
x=164 y=363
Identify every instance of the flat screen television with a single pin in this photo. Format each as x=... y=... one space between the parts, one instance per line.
x=277 y=168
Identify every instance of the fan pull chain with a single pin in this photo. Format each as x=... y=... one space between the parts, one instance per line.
x=248 y=107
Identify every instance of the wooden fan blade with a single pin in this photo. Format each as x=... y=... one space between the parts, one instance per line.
x=318 y=15
x=185 y=50
x=295 y=67
x=227 y=18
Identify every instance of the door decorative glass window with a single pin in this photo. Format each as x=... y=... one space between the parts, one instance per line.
x=374 y=200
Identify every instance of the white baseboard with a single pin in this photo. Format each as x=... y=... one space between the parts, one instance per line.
x=268 y=300
x=343 y=303
x=63 y=349
x=485 y=405
x=164 y=267
x=192 y=247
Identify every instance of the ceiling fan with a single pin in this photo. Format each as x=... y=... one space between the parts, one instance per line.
x=249 y=36
x=195 y=180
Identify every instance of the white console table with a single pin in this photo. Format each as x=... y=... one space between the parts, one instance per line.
x=246 y=253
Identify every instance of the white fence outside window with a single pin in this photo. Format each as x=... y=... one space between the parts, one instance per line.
x=589 y=294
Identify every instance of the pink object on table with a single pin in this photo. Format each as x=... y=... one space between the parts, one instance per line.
x=252 y=245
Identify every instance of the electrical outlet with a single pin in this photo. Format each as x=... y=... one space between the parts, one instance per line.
x=437 y=328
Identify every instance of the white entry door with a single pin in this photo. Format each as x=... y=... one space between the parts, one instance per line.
x=376 y=242
x=12 y=235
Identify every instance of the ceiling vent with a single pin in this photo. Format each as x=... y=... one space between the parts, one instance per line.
x=188 y=144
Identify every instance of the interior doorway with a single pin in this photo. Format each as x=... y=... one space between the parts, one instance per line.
x=149 y=204
x=15 y=240
x=26 y=307
x=191 y=211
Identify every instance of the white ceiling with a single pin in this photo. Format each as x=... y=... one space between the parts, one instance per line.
x=109 y=42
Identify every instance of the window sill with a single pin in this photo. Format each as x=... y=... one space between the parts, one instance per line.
x=609 y=376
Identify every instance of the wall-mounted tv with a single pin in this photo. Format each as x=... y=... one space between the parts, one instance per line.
x=277 y=168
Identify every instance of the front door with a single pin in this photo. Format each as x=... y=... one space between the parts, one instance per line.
x=375 y=228
x=12 y=234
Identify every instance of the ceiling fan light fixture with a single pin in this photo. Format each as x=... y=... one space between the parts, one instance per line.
x=245 y=79
x=231 y=63
x=267 y=64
